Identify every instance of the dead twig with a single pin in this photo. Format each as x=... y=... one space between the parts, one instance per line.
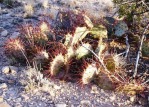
x=139 y=52
x=128 y=46
x=101 y=62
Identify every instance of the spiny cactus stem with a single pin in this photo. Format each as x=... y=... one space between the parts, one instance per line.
x=139 y=52
x=105 y=68
x=97 y=57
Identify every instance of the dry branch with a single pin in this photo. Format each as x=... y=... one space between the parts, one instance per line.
x=139 y=52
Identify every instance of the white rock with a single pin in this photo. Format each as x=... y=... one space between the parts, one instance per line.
x=4 y=33
x=132 y=98
x=9 y=69
x=3 y=86
x=94 y=89
x=4 y=104
x=6 y=69
x=15 y=35
x=1 y=99
x=57 y=87
x=25 y=97
x=13 y=69
x=61 y=105
x=112 y=98
x=85 y=102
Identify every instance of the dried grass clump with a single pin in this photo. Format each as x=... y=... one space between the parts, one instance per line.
x=131 y=88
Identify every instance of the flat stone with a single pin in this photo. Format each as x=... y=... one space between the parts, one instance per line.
x=94 y=90
x=4 y=104
x=61 y=105
x=3 y=86
x=25 y=97
x=15 y=35
x=9 y=69
x=1 y=99
x=3 y=32
x=5 y=69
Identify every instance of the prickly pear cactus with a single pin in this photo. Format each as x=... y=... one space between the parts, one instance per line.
x=99 y=31
x=120 y=28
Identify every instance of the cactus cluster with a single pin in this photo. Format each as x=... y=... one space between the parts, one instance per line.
x=72 y=55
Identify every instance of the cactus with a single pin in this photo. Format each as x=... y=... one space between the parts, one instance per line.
x=89 y=73
x=99 y=31
x=56 y=64
x=82 y=51
x=15 y=51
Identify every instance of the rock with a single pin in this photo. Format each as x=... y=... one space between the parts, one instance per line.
x=132 y=98
x=3 y=86
x=25 y=97
x=9 y=69
x=112 y=98
x=15 y=35
x=4 y=33
x=4 y=104
x=94 y=89
x=6 y=69
x=1 y=99
x=13 y=69
x=61 y=105
x=57 y=87
x=85 y=103
x=2 y=79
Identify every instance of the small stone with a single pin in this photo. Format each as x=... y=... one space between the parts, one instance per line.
x=3 y=86
x=57 y=87
x=25 y=97
x=61 y=105
x=4 y=33
x=94 y=89
x=6 y=69
x=15 y=35
x=85 y=103
x=9 y=69
x=112 y=98
x=1 y=99
x=52 y=93
x=4 y=104
x=132 y=98
x=13 y=69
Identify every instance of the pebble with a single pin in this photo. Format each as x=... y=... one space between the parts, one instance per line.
x=61 y=105
x=4 y=33
x=112 y=98
x=85 y=102
x=132 y=98
x=94 y=89
x=15 y=35
x=3 y=86
x=1 y=99
x=6 y=69
x=25 y=97
x=9 y=69
x=57 y=87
